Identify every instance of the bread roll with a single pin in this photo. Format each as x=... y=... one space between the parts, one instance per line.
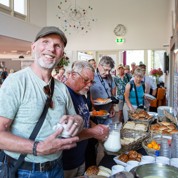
x=172 y=127
x=129 y=125
x=140 y=127
x=165 y=123
x=162 y=127
x=132 y=154
x=123 y=157
x=105 y=169
x=103 y=173
x=173 y=131
x=92 y=170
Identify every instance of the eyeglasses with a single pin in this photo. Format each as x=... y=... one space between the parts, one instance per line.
x=47 y=91
x=86 y=81
x=106 y=70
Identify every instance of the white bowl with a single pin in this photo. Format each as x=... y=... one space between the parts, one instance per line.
x=132 y=163
x=162 y=159
x=117 y=168
x=174 y=162
x=148 y=159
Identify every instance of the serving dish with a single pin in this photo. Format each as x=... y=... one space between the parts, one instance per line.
x=140 y=115
x=155 y=170
x=157 y=138
x=132 y=134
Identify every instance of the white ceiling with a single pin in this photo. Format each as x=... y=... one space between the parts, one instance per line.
x=14 y=46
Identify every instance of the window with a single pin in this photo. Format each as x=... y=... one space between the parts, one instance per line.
x=152 y=58
x=16 y=8
x=20 y=6
x=155 y=59
x=136 y=56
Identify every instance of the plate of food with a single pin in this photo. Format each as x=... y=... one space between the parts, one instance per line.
x=102 y=101
x=127 y=156
x=149 y=96
x=100 y=113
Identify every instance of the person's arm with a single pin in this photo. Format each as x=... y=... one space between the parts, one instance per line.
x=98 y=131
x=50 y=145
x=127 y=94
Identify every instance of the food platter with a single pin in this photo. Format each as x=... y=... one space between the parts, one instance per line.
x=140 y=115
x=102 y=102
x=149 y=96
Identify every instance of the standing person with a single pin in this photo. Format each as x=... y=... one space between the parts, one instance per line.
x=82 y=74
x=121 y=80
x=60 y=75
x=134 y=93
x=22 y=99
x=93 y=63
x=104 y=86
x=133 y=67
x=152 y=88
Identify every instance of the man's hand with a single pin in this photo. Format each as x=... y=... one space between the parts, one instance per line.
x=53 y=144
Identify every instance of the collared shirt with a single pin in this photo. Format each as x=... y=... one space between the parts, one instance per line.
x=120 y=84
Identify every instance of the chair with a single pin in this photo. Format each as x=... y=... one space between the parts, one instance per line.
x=160 y=99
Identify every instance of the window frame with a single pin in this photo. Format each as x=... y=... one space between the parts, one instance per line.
x=10 y=10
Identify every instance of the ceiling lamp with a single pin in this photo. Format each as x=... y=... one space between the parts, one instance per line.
x=74 y=18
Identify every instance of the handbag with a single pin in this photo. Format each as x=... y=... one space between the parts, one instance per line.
x=114 y=100
x=9 y=171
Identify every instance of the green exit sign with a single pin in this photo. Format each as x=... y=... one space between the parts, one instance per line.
x=120 y=40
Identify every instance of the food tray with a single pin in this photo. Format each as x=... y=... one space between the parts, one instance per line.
x=138 y=122
x=155 y=128
x=141 y=119
x=135 y=145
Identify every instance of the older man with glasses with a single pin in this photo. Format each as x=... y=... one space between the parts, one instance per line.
x=80 y=79
x=104 y=87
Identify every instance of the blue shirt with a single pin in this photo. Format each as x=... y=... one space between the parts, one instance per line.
x=140 y=94
x=75 y=157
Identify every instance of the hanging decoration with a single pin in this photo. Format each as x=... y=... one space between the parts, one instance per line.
x=75 y=18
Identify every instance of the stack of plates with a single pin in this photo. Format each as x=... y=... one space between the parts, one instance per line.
x=162 y=108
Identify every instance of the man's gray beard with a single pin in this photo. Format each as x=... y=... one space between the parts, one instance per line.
x=43 y=65
x=82 y=93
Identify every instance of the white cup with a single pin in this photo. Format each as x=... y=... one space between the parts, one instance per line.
x=64 y=133
x=174 y=162
x=162 y=159
x=117 y=168
x=148 y=159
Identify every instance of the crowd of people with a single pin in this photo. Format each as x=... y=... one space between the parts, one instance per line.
x=23 y=96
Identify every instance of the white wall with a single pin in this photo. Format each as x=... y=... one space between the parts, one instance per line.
x=146 y=22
